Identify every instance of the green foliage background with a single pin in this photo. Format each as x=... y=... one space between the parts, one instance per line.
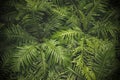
x=58 y=40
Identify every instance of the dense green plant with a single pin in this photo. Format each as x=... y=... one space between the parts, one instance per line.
x=58 y=40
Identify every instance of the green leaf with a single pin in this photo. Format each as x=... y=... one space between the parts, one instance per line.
x=104 y=30
x=25 y=56
x=56 y=54
x=105 y=61
x=68 y=35
x=15 y=32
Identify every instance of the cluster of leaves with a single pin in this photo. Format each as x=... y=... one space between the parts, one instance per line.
x=58 y=40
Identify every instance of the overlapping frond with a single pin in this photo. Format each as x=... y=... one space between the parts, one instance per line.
x=106 y=30
x=61 y=11
x=16 y=33
x=105 y=61
x=25 y=56
x=85 y=70
x=56 y=54
x=35 y=5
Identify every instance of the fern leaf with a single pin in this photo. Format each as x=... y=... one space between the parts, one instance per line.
x=104 y=30
x=68 y=35
x=55 y=54
x=18 y=34
x=85 y=70
x=61 y=11
x=24 y=57
x=37 y=5
x=105 y=61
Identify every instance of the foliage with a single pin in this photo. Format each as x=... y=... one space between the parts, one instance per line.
x=58 y=40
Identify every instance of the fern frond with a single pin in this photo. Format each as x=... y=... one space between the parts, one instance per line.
x=61 y=11
x=105 y=61
x=24 y=57
x=56 y=74
x=74 y=20
x=6 y=57
x=104 y=30
x=55 y=54
x=85 y=70
x=37 y=5
x=75 y=73
x=18 y=34
x=68 y=35
x=41 y=67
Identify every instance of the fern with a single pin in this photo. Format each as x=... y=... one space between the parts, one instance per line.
x=104 y=30
x=86 y=71
x=58 y=40
x=17 y=33
x=55 y=54
x=24 y=57
x=104 y=62
x=37 y=5
x=68 y=35
x=62 y=11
